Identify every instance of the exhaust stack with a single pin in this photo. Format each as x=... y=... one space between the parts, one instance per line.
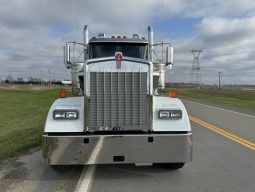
x=150 y=38
x=67 y=56
x=85 y=35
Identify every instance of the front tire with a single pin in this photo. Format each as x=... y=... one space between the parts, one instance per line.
x=59 y=168
x=172 y=166
x=175 y=165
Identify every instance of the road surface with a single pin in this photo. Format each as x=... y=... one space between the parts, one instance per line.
x=223 y=160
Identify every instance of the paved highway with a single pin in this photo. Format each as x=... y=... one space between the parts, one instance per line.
x=223 y=160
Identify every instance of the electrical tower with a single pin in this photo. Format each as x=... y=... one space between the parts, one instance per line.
x=195 y=74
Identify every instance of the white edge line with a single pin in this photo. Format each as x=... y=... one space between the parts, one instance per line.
x=87 y=175
x=221 y=109
x=85 y=179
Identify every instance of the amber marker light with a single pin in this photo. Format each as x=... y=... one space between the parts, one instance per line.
x=62 y=93
x=173 y=93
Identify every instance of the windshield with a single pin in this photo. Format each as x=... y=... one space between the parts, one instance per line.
x=136 y=50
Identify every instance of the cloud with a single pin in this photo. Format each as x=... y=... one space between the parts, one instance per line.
x=218 y=8
x=228 y=45
x=33 y=32
x=227 y=31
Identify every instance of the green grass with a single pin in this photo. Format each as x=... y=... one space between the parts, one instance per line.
x=232 y=98
x=22 y=117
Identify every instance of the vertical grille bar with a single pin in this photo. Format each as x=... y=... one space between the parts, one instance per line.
x=125 y=98
x=104 y=108
x=96 y=95
x=111 y=98
x=132 y=100
x=140 y=98
x=118 y=99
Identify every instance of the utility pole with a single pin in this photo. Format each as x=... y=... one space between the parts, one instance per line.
x=219 y=79
x=49 y=77
x=41 y=77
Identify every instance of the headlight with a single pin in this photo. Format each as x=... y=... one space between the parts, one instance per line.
x=170 y=114
x=65 y=114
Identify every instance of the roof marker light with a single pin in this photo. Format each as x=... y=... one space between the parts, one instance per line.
x=135 y=36
x=101 y=35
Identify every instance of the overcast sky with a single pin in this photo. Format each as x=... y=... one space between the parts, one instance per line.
x=32 y=33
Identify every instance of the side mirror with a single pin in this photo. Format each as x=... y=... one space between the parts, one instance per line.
x=67 y=56
x=169 y=55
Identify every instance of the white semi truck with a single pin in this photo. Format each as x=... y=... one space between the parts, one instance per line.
x=117 y=115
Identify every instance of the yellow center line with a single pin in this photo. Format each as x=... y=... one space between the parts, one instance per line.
x=224 y=133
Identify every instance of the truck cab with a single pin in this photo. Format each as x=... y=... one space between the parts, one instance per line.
x=117 y=115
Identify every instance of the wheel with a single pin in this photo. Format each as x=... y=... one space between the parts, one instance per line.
x=59 y=168
x=172 y=166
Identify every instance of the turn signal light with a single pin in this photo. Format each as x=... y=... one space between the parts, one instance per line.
x=173 y=93
x=63 y=94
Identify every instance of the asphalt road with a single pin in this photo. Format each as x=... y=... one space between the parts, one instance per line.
x=234 y=122
x=223 y=160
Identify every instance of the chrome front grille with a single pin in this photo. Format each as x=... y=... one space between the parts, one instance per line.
x=118 y=101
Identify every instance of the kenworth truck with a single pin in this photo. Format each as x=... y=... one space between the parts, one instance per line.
x=117 y=115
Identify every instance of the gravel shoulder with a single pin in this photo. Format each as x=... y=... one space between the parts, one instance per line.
x=28 y=172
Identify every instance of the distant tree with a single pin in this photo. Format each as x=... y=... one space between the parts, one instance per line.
x=20 y=79
x=9 y=79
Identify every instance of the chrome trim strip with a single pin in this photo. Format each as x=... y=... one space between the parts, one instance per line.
x=97 y=60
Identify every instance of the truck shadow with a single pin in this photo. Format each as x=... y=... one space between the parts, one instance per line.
x=121 y=171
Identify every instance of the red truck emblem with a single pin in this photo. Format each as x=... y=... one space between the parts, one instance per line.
x=118 y=59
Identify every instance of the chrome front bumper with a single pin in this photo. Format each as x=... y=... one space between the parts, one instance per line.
x=111 y=149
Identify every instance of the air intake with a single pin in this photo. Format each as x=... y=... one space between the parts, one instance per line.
x=118 y=101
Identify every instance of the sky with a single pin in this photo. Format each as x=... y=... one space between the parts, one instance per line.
x=33 y=32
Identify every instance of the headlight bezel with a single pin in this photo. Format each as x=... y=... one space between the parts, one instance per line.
x=61 y=114
x=170 y=114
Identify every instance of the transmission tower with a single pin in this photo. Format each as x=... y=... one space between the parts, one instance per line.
x=195 y=74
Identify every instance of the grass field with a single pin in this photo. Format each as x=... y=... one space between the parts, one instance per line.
x=231 y=98
x=22 y=116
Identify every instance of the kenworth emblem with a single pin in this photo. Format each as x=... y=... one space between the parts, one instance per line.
x=118 y=59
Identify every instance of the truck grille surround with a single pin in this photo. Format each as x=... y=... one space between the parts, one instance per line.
x=118 y=101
